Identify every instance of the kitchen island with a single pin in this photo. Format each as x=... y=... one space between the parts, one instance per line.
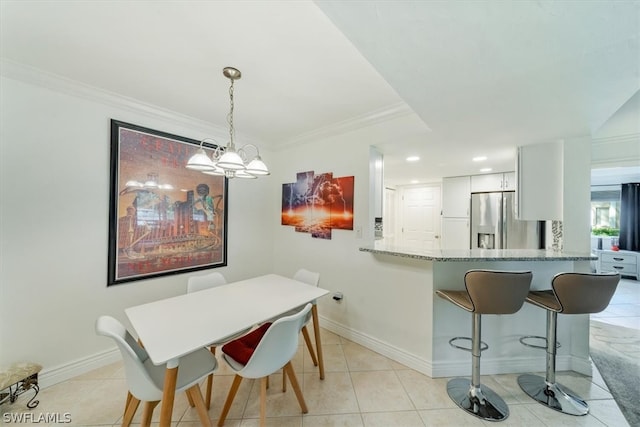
x=445 y=269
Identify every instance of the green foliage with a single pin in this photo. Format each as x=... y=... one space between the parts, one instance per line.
x=605 y=231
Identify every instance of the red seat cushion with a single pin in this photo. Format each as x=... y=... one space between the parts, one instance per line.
x=241 y=349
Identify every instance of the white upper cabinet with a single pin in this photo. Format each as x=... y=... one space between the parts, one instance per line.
x=539 y=173
x=493 y=182
x=456 y=196
x=509 y=181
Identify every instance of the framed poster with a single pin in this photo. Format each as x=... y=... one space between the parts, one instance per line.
x=163 y=218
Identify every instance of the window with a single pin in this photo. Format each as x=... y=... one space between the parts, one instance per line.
x=605 y=207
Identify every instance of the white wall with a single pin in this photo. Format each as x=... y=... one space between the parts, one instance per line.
x=576 y=221
x=54 y=230
x=54 y=221
x=383 y=296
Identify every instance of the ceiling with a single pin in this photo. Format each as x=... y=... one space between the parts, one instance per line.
x=443 y=80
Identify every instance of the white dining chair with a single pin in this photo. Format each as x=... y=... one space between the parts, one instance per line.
x=205 y=281
x=256 y=357
x=146 y=380
x=200 y=283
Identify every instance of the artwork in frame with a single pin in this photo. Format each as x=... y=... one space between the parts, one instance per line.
x=163 y=218
x=318 y=203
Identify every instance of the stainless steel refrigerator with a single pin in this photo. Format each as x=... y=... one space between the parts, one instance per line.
x=494 y=224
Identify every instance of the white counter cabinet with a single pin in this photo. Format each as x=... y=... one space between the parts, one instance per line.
x=445 y=269
x=623 y=262
x=455 y=233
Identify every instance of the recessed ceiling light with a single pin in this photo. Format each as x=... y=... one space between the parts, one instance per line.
x=486 y=170
x=479 y=158
x=414 y=181
x=413 y=158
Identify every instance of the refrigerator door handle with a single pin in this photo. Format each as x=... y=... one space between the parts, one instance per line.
x=503 y=223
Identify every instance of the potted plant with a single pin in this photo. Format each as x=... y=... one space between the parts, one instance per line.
x=606 y=236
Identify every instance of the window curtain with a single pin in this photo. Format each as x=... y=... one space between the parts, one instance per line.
x=630 y=217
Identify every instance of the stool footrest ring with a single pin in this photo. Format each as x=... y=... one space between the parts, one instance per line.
x=483 y=345
x=536 y=337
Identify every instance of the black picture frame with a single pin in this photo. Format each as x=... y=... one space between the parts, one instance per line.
x=163 y=218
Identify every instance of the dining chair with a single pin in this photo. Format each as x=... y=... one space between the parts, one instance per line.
x=200 y=283
x=146 y=380
x=262 y=352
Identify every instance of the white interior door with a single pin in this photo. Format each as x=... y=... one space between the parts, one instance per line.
x=420 y=219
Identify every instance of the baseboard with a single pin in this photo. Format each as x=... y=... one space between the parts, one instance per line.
x=457 y=367
x=55 y=375
x=58 y=374
x=394 y=353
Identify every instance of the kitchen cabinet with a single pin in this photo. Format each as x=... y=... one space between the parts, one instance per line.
x=493 y=182
x=539 y=186
x=456 y=196
x=455 y=233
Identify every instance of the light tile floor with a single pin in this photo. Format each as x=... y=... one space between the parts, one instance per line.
x=624 y=309
x=361 y=388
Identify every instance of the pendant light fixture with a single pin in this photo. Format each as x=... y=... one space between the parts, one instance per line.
x=228 y=161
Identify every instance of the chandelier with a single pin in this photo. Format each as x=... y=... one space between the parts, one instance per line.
x=228 y=161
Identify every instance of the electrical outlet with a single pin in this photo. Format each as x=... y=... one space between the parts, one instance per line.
x=359 y=232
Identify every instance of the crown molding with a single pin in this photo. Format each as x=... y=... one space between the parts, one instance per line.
x=35 y=76
x=38 y=77
x=371 y=118
x=616 y=151
x=617 y=139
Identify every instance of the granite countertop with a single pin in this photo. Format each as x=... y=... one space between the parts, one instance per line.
x=385 y=248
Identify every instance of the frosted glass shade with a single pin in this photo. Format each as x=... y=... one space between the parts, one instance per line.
x=200 y=162
x=257 y=167
x=231 y=160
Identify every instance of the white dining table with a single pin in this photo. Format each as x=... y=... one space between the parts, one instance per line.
x=177 y=326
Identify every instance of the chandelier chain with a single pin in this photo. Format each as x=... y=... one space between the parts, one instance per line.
x=230 y=117
x=228 y=161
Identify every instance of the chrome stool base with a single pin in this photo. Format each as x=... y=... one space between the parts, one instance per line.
x=482 y=402
x=554 y=396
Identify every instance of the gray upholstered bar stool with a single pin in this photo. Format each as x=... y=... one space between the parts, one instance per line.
x=487 y=292
x=571 y=293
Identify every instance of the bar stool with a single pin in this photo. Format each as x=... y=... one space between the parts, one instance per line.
x=487 y=292
x=571 y=293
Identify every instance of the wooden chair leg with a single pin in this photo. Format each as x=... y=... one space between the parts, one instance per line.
x=227 y=404
x=196 y=395
x=307 y=340
x=296 y=387
x=147 y=413
x=191 y=403
x=316 y=332
x=284 y=380
x=130 y=410
x=207 y=400
x=263 y=401
x=126 y=403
